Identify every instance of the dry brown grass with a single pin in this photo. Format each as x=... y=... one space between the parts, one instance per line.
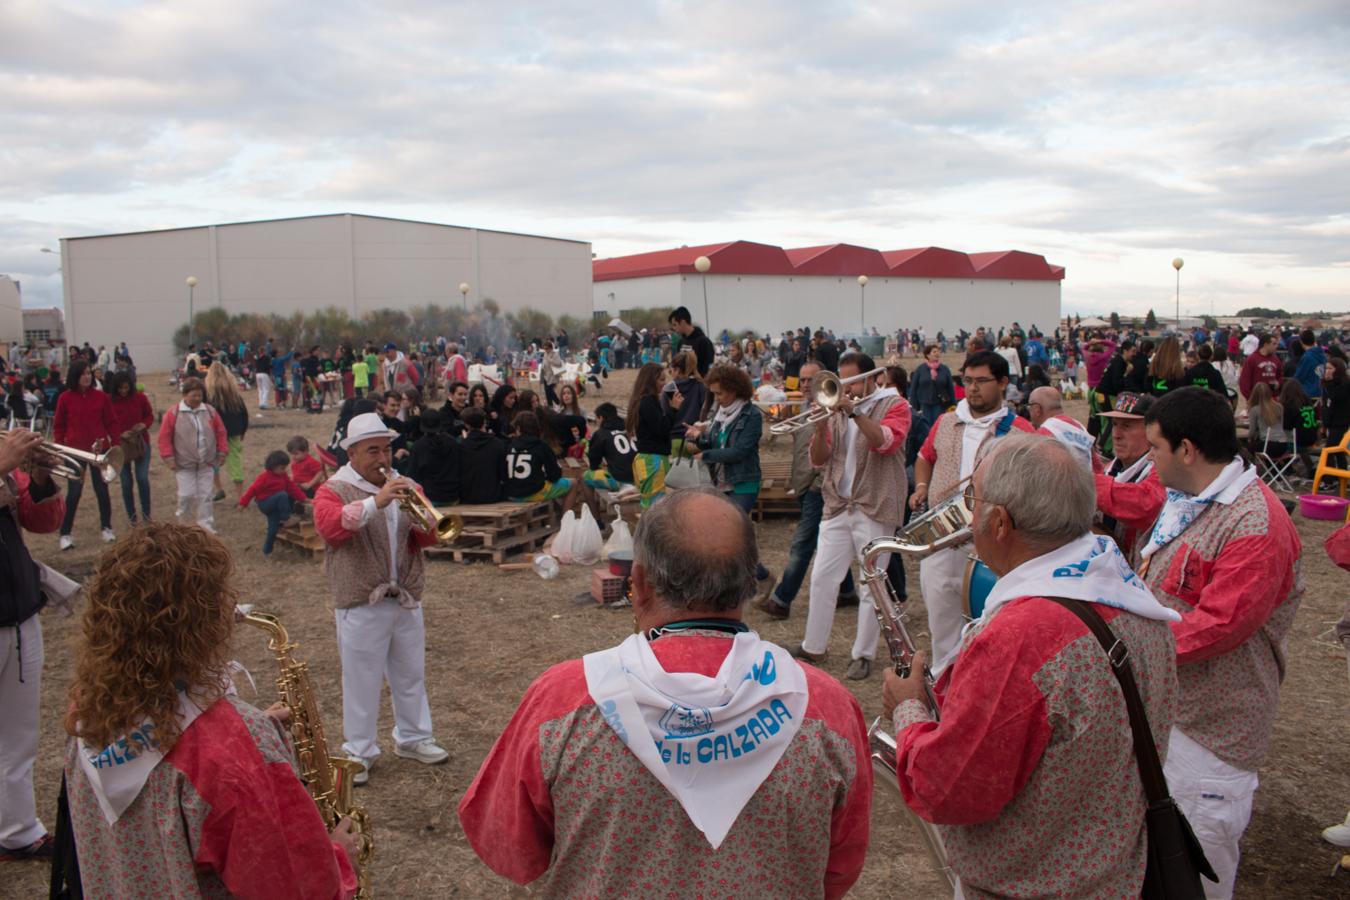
x=490 y=633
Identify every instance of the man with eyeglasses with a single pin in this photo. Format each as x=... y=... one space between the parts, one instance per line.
x=946 y=460
x=1031 y=774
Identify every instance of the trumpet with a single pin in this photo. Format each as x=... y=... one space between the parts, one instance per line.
x=826 y=390
x=425 y=516
x=68 y=463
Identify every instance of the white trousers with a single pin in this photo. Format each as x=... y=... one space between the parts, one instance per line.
x=264 y=390
x=196 y=487
x=940 y=577
x=1217 y=801
x=838 y=544
x=382 y=642
x=19 y=825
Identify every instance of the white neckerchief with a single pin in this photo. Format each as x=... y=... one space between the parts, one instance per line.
x=348 y=475
x=1135 y=471
x=861 y=407
x=1091 y=568
x=119 y=771
x=1181 y=509
x=725 y=415
x=974 y=433
x=1072 y=435
x=710 y=741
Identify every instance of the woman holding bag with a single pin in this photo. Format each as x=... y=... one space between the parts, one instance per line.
x=730 y=443
x=650 y=422
x=132 y=417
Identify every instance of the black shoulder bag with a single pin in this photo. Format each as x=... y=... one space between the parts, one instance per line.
x=1175 y=858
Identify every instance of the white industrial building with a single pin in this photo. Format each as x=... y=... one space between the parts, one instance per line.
x=132 y=287
x=11 y=311
x=769 y=289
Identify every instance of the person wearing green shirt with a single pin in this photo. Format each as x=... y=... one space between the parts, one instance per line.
x=372 y=363
x=360 y=376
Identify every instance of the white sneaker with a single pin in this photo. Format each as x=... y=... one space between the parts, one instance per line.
x=364 y=775
x=1339 y=835
x=66 y=542
x=108 y=535
x=427 y=751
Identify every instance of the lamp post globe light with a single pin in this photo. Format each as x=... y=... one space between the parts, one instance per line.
x=1177 y=264
x=703 y=264
x=862 y=304
x=464 y=294
x=191 y=282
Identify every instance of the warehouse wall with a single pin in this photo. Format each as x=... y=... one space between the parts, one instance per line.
x=774 y=303
x=11 y=312
x=131 y=287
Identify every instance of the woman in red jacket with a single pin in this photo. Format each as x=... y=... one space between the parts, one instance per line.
x=83 y=420
x=132 y=417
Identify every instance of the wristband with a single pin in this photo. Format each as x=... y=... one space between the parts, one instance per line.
x=921 y=484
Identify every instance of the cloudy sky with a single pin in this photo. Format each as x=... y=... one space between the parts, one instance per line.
x=1109 y=137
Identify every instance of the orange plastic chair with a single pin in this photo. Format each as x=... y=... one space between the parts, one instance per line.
x=1326 y=470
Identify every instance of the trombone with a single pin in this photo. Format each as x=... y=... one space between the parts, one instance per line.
x=446 y=527
x=826 y=389
x=71 y=463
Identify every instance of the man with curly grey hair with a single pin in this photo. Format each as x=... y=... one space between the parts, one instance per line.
x=680 y=744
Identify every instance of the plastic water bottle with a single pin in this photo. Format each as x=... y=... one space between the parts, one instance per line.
x=545 y=566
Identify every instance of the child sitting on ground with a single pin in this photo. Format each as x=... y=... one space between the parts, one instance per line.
x=274 y=491
x=306 y=471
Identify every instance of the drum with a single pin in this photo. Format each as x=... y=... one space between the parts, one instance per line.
x=975 y=587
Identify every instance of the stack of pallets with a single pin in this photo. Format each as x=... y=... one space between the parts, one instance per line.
x=494 y=531
x=302 y=536
x=774 y=498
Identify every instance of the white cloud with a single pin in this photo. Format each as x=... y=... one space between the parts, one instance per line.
x=1107 y=137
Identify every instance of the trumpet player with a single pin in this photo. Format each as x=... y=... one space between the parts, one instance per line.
x=859 y=447
x=376 y=573
x=1031 y=771
x=29 y=501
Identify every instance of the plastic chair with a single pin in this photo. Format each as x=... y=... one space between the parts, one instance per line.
x=1326 y=470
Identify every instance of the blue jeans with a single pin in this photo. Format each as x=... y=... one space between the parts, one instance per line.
x=277 y=508
x=803 y=547
x=74 y=488
x=747 y=503
x=139 y=472
x=931 y=411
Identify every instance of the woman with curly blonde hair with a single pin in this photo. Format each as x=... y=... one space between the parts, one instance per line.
x=176 y=786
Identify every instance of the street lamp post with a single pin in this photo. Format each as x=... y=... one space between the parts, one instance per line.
x=464 y=293
x=862 y=303
x=191 y=283
x=703 y=264
x=1177 y=264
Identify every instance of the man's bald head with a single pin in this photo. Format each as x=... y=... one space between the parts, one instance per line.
x=697 y=551
x=1044 y=403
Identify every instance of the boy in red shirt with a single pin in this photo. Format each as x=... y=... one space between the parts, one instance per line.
x=275 y=492
x=305 y=469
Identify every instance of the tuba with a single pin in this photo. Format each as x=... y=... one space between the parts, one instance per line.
x=328 y=779
x=901 y=649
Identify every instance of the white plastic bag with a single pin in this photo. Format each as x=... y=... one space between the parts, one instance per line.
x=620 y=539
x=563 y=541
x=587 y=542
x=687 y=472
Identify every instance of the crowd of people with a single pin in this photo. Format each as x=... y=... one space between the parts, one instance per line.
x=696 y=740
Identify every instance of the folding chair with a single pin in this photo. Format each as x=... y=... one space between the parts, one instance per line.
x=1275 y=467
x=1326 y=470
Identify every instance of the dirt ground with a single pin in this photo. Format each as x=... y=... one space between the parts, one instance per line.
x=489 y=633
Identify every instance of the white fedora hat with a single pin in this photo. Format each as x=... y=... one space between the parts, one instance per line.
x=363 y=428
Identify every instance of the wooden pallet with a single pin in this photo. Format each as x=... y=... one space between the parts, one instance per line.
x=494 y=531
x=774 y=498
x=302 y=537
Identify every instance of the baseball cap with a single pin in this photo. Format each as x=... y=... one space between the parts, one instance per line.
x=1130 y=406
x=390 y=346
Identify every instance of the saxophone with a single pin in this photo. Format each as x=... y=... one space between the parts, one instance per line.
x=328 y=779
x=901 y=649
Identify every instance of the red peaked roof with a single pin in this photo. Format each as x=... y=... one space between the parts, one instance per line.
x=749 y=258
